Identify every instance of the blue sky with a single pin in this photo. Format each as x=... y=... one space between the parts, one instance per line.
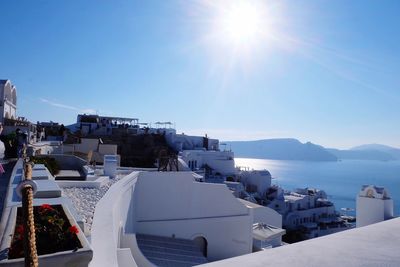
x=326 y=71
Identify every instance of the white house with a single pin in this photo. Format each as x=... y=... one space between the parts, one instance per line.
x=8 y=100
x=256 y=180
x=373 y=205
x=151 y=209
x=267 y=226
x=218 y=162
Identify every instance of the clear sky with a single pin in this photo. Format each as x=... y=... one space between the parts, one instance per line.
x=321 y=71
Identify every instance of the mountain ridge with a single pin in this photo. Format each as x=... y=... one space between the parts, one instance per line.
x=293 y=149
x=282 y=149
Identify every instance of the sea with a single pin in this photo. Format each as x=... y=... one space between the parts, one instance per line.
x=341 y=180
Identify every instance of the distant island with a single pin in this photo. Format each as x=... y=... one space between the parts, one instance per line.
x=282 y=149
x=368 y=152
x=293 y=149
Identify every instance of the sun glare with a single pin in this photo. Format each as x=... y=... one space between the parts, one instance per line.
x=238 y=33
x=242 y=22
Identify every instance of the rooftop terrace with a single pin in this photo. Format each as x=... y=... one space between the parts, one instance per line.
x=373 y=245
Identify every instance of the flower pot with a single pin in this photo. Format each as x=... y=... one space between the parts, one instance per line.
x=63 y=245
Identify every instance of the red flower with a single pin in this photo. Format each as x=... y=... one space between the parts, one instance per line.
x=20 y=229
x=73 y=230
x=45 y=207
x=19 y=232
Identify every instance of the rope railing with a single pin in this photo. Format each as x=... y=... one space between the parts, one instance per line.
x=27 y=192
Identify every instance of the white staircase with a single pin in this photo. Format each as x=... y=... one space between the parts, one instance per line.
x=168 y=252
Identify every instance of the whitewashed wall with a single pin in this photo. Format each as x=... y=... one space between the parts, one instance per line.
x=173 y=204
x=372 y=210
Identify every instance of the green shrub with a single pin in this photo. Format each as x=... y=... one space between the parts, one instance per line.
x=50 y=163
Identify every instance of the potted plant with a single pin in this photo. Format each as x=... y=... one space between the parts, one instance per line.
x=59 y=241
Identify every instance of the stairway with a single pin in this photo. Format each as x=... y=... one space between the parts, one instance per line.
x=170 y=252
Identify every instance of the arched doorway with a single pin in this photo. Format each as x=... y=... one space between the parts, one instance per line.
x=202 y=243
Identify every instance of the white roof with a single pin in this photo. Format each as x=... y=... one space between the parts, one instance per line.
x=249 y=204
x=266 y=232
x=293 y=197
x=372 y=245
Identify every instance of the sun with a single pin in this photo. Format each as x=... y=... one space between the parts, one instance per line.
x=238 y=33
x=242 y=22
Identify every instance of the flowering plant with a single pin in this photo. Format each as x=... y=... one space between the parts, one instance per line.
x=53 y=232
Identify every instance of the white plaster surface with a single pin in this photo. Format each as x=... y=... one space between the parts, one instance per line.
x=173 y=204
x=41 y=174
x=373 y=210
x=262 y=214
x=167 y=195
x=68 y=173
x=112 y=212
x=169 y=204
x=373 y=245
x=47 y=189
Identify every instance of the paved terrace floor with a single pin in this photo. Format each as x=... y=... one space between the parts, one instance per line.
x=373 y=245
x=4 y=180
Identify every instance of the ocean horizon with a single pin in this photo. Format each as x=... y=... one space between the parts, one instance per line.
x=341 y=180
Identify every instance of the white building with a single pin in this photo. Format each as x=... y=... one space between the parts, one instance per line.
x=267 y=226
x=147 y=210
x=306 y=210
x=219 y=163
x=181 y=142
x=90 y=124
x=256 y=181
x=373 y=205
x=8 y=100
